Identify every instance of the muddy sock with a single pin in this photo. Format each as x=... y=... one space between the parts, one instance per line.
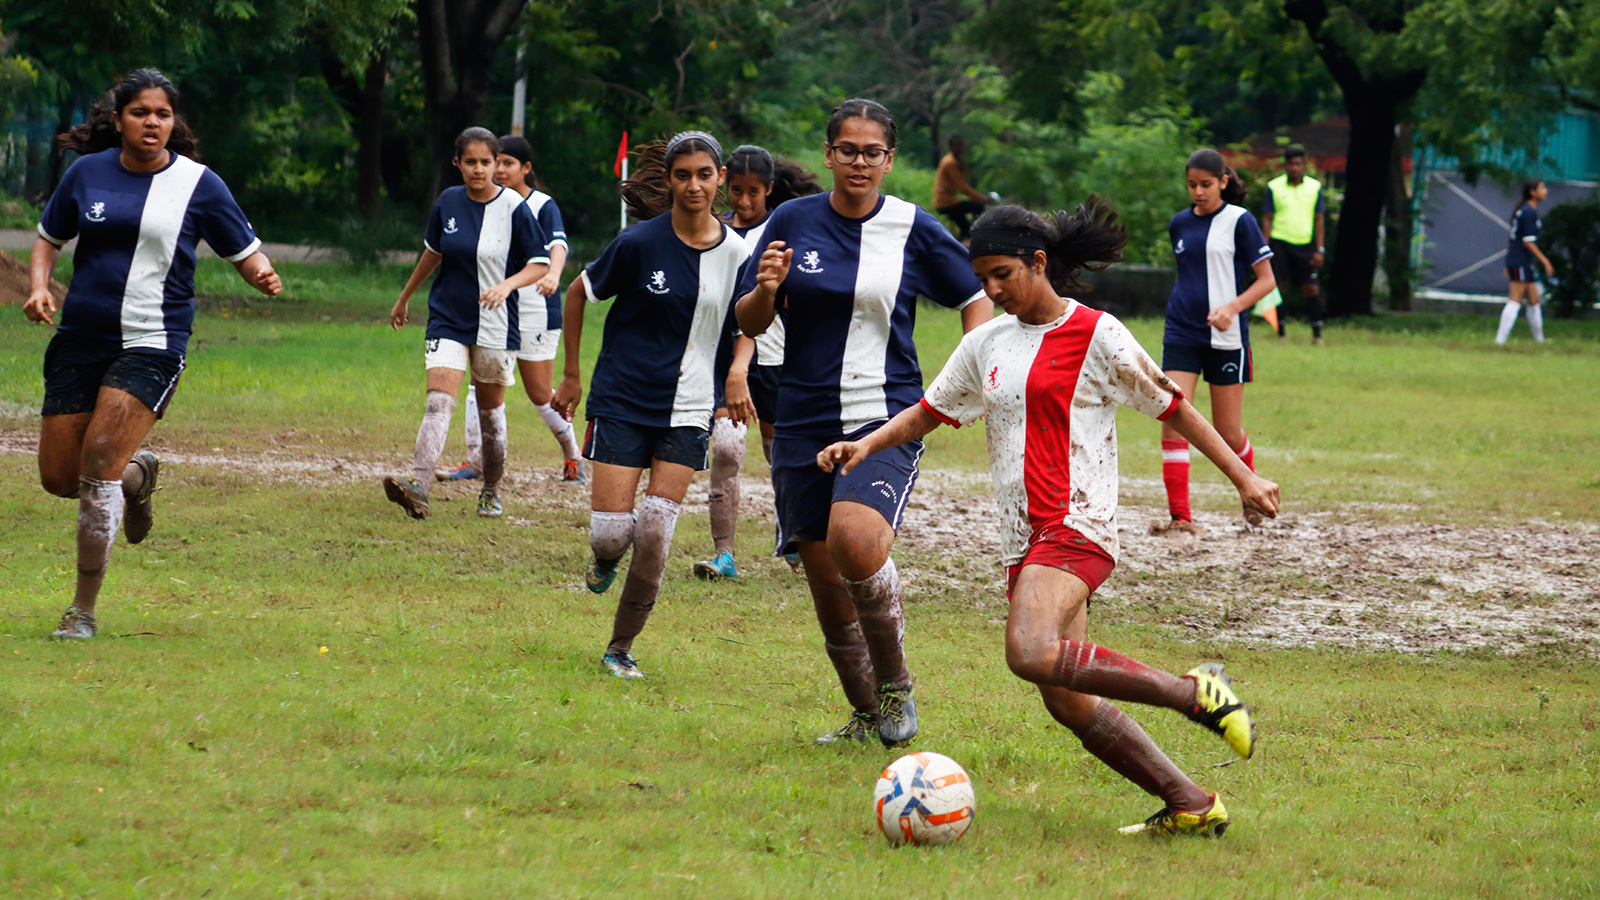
x=1120 y=743
x=1246 y=453
x=610 y=533
x=132 y=479
x=727 y=455
x=492 y=450
x=766 y=448
x=883 y=622
x=100 y=506
x=1508 y=319
x=561 y=428
x=472 y=429
x=847 y=649
x=1536 y=322
x=1175 y=474
x=652 y=540
x=431 y=436
x=1091 y=669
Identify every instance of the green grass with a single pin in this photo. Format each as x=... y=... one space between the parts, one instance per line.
x=457 y=740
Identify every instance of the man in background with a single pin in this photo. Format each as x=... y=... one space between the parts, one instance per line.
x=950 y=182
x=1292 y=221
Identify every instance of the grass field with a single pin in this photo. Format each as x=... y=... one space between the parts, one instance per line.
x=301 y=693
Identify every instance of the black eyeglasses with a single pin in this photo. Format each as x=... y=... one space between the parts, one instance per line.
x=872 y=156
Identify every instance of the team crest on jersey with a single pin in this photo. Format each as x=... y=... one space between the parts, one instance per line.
x=658 y=282
x=810 y=263
x=96 y=213
x=1178 y=248
x=994 y=378
x=450 y=226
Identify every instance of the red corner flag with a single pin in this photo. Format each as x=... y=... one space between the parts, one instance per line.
x=622 y=154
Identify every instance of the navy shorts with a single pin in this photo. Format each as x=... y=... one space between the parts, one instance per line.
x=618 y=443
x=73 y=376
x=1219 y=367
x=764 y=381
x=805 y=494
x=1522 y=273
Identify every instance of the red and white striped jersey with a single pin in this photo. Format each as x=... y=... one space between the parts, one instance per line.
x=1050 y=394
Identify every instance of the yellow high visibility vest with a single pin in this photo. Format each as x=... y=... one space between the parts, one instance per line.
x=1294 y=209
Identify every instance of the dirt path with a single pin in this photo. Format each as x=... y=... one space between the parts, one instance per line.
x=1308 y=579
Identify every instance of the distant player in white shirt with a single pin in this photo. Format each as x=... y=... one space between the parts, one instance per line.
x=1049 y=378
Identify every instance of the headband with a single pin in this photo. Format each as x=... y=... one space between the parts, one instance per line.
x=682 y=136
x=1005 y=240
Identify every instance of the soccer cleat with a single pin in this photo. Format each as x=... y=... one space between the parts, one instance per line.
x=793 y=559
x=76 y=625
x=464 y=472
x=720 y=566
x=1252 y=518
x=1211 y=823
x=858 y=729
x=600 y=574
x=489 y=504
x=621 y=664
x=1218 y=708
x=138 y=518
x=897 y=714
x=408 y=494
x=1175 y=526
x=575 y=471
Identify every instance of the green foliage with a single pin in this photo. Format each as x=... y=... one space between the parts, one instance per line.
x=1572 y=242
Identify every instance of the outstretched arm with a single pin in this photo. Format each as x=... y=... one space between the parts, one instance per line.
x=912 y=423
x=570 y=389
x=1257 y=493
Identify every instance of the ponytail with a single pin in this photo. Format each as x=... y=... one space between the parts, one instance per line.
x=1089 y=238
x=99 y=132
x=787 y=179
x=1210 y=161
x=1528 y=187
x=646 y=192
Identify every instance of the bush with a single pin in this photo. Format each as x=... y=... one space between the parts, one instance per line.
x=1572 y=241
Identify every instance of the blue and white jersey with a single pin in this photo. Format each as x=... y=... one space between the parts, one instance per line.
x=849 y=307
x=1215 y=255
x=769 y=343
x=668 y=335
x=1525 y=226
x=548 y=215
x=133 y=272
x=482 y=244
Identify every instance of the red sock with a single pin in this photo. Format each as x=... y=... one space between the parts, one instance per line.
x=1091 y=669
x=1248 y=453
x=1175 y=472
x=1120 y=743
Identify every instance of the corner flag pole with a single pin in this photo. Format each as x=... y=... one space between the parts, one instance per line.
x=621 y=168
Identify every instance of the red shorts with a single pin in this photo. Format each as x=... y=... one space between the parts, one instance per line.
x=1064 y=548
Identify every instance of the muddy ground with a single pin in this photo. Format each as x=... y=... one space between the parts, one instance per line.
x=1342 y=577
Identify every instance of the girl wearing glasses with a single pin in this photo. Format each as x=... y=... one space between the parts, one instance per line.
x=842 y=272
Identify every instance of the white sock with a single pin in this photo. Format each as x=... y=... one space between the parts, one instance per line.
x=1536 y=322
x=610 y=533
x=652 y=541
x=474 y=430
x=1508 y=318
x=492 y=426
x=100 y=508
x=727 y=455
x=559 y=427
x=431 y=435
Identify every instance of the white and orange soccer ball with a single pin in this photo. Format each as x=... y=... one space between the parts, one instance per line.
x=923 y=798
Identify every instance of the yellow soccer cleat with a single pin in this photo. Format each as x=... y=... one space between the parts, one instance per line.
x=1211 y=823
x=1218 y=708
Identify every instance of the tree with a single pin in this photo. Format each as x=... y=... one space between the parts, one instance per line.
x=357 y=35
x=459 y=39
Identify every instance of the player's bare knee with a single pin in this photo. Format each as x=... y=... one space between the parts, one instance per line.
x=1029 y=659
x=58 y=483
x=859 y=549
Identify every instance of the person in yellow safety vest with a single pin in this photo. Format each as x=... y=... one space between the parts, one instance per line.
x=1293 y=221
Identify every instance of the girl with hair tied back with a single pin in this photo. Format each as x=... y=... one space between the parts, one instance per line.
x=1048 y=379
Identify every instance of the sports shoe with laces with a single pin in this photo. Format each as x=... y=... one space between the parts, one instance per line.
x=1211 y=823
x=600 y=573
x=489 y=504
x=858 y=729
x=76 y=625
x=719 y=566
x=1218 y=708
x=573 y=470
x=621 y=664
x=897 y=714
x=138 y=518
x=464 y=472
x=1175 y=526
x=408 y=495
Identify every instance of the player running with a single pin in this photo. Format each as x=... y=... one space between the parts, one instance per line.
x=486 y=245
x=538 y=318
x=1218 y=245
x=1049 y=378
x=666 y=342
x=756 y=185
x=138 y=202
x=1521 y=250
x=842 y=271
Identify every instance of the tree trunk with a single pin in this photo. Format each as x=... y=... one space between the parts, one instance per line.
x=1355 y=251
x=459 y=39
x=369 y=134
x=1397 y=231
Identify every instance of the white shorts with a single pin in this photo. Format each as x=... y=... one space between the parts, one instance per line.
x=539 y=346
x=488 y=366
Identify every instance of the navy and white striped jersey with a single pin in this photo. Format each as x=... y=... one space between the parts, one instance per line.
x=1525 y=227
x=133 y=271
x=667 y=337
x=548 y=215
x=482 y=244
x=849 y=307
x=769 y=343
x=1215 y=255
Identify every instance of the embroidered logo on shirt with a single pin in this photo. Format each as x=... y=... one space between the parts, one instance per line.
x=810 y=263
x=993 y=377
x=96 y=213
x=658 y=282
x=1179 y=247
x=450 y=226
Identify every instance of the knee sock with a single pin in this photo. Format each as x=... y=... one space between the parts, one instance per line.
x=472 y=429
x=766 y=448
x=1508 y=319
x=1120 y=743
x=1175 y=473
x=652 y=540
x=1536 y=322
x=100 y=507
x=1091 y=669
x=1247 y=453
x=492 y=427
x=610 y=533
x=883 y=623
x=561 y=428
x=847 y=649
x=727 y=455
x=431 y=436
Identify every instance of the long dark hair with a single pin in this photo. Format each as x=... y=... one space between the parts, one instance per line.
x=518 y=148
x=1090 y=238
x=477 y=135
x=100 y=131
x=788 y=179
x=862 y=108
x=1528 y=187
x=646 y=191
x=1208 y=160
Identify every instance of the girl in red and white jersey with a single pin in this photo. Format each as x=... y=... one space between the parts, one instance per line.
x=1049 y=378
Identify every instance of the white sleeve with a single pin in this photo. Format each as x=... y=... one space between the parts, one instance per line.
x=956 y=395
x=1132 y=378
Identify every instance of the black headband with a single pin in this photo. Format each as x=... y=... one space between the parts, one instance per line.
x=1005 y=240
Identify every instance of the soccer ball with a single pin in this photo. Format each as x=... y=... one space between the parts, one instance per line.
x=923 y=798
